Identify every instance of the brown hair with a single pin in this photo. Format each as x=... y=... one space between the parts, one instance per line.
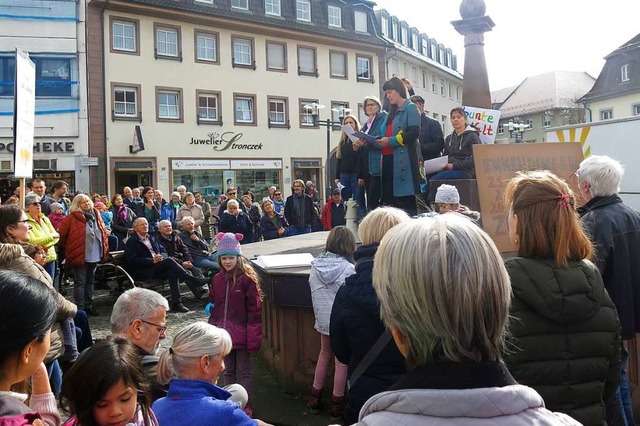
x=341 y=241
x=343 y=136
x=459 y=111
x=548 y=224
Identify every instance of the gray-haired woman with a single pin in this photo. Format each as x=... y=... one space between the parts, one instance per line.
x=445 y=296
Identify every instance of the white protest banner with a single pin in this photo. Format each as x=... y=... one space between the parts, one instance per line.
x=24 y=108
x=485 y=120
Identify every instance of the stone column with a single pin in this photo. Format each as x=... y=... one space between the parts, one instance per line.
x=472 y=26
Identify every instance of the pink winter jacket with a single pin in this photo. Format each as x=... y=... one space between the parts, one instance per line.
x=237 y=309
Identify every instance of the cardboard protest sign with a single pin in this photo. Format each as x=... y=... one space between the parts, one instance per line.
x=485 y=120
x=497 y=164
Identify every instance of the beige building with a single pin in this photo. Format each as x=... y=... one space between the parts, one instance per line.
x=539 y=102
x=215 y=93
x=431 y=67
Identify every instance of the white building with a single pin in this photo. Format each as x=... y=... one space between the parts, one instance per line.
x=53 y=33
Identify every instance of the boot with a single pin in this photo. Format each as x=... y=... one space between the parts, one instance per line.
x=178 y=307
x=337 y=408
x=314 y=402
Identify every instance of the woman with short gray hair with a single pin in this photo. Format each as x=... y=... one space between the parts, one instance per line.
x=445 y=296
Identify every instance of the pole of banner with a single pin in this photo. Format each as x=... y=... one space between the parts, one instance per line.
x=23 y=187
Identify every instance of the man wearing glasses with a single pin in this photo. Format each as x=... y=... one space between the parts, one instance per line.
x=140 y=315
x=232 y=194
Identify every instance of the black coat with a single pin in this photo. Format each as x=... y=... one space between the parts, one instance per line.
x=138 y=258
x=292 y=217
x=269 y=230
x=564 y=336
x=355 y=327
x=119 y=226
x=431 y=138
x=614 y=228
x=197 y=249
x=240 y=224
x=175 y=247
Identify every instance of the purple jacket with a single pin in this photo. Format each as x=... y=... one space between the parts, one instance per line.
x=237 y=309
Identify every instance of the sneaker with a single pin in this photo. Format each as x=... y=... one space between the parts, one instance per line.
x=178 y=307
x=91 y=311
x=204 y=294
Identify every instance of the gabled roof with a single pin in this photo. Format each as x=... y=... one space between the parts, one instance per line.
x=634 y=43
x=552 y=90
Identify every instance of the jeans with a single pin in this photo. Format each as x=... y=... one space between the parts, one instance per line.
x=83 y=284
x=51 y=269
x=623 y=388
x=451 y=174
x=238 y=370
x=352 y=190
x=340 y=371
x=210 y=262
x=84 y=337
x=374 y=189
x=297 y=230
x=55 y=377
x=170 y=269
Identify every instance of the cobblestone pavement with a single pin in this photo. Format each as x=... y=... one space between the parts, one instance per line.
x=271 y=404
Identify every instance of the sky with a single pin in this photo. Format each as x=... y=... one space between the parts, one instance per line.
x=530 y=37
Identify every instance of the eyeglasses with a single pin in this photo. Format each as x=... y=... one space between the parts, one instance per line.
x=161 y=328
x=35 y=203
x=231 y=193
x=23 y=221
x=278 y=193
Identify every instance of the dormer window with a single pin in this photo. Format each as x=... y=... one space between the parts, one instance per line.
x=624 y=73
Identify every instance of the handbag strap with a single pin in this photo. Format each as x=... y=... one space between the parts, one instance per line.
x=369 y=357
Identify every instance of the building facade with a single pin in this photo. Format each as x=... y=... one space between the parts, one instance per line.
x=616 y=92
x=539 y=102
x=212 y=93
x=53 y=33
x=431 y=67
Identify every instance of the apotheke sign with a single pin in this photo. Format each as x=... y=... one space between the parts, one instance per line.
x=68 y=147
x=224 y=141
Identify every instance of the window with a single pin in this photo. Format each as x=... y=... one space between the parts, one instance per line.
x=405 y=37
x=303 y=10
x=278 y=112
x=458 y=93
x=334 y=16
x=606 y=114
x=425 y=79
x=394 y=30
x=240 y=4
x=242 y=52
x=384 y=23
x=436 y=116
x=272 y=7
x=168 y=104
x=433 y=50
x=442 y=86
x=546 y=120
x=635 y=109
x=276 y=56
x=125 y=103
x=529 y=123
x=450 y=91
x=425 y=47
x=339 y=109
x=206 y=47
x=433 y=83
x=361 y=21
x=306 y=115
x=624 y=73
x=414 y=42
x=208 y=107
x=363 y=68
x=500 y=128
x=244 y=108
x=307 y=61
x=338 y=64
x=124 y=35
x=167 y=42
x=205 y=1
x=55 y=76
x=441 y=55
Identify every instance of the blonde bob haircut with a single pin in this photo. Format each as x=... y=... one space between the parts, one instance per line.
x=548 y=224
x=190 y=344
x=79 y=199
x=442 y=284
x=378 y=222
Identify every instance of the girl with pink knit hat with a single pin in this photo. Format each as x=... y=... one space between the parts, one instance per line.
x=237 y=307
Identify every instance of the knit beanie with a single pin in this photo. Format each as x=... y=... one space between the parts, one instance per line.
x=229 y=244
x=447 y=194
x=394 y=83
x=56 y=206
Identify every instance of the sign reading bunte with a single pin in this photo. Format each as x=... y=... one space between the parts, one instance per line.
x=485 y=120
x=224 y=141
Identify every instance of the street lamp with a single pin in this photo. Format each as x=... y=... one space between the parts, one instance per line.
x=517 y=129
x=315 y=108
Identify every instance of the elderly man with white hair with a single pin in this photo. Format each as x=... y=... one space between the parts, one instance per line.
x=140 y=315
x=614 y=228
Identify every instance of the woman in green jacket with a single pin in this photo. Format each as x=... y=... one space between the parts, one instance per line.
x=564 y=333
x=42 y=232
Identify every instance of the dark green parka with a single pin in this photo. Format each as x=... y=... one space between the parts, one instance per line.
x=564 y=336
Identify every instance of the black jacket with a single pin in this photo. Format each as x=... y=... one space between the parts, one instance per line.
x=175 y=247
x=459 y=148
x=355 y=327
x=564 y=336
x=431 y=137
x=138 y=258
x=197 y=249
x=240 y=224
x=119 y=226
x=293 y=218
x=614 y=228
x=269 y=230
x=349 y=159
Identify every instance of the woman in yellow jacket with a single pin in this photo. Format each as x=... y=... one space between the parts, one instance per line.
x=42 y=232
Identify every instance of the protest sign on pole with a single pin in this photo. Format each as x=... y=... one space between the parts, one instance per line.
x=485 y=120
x=24 y=106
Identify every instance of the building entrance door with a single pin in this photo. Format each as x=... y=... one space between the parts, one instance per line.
x=309 y=170
x=132 y=179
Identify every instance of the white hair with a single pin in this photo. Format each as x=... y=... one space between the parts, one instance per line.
x=603 y=173
x=184 y=188
x=443 y=285
x=190 y=344
x=133 y=304
x=187 y=219
x=164 y=222
x=232 y=203
x=157 y=191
